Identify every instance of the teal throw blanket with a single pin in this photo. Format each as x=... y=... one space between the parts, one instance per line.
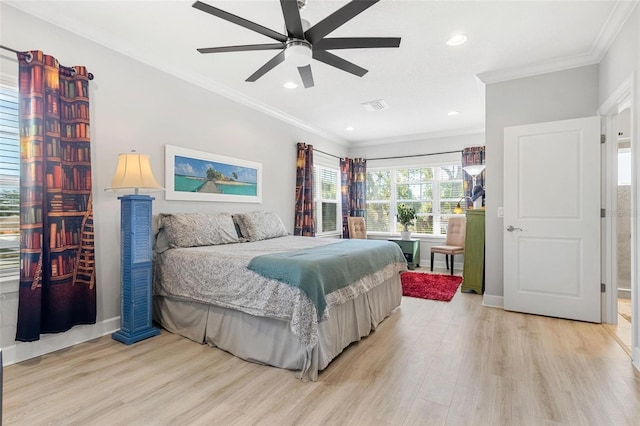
x=318 y=271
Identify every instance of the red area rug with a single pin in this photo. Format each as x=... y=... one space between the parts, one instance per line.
x=430 y=286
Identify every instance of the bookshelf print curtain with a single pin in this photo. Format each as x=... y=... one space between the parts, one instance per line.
x=353 y=180
x=57 y=262
x=304 y=223
x=471 y=156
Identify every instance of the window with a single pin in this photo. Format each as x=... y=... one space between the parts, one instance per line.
x=624 y=166
x=327 y=199
x=9 y=182
x=433 y=191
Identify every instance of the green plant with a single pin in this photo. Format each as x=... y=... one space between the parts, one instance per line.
x=406 y=215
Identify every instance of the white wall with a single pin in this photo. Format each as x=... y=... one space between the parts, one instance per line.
x=134 y=106
x=554 y=96
x=622 y=62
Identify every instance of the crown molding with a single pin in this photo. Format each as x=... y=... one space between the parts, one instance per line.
x=612 y=26
x=616 y=20
x=562 y=64
x=417 y=137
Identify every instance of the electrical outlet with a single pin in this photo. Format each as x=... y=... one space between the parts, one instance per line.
x=500 y=211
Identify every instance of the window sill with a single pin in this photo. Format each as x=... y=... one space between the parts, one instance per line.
x=421 y=237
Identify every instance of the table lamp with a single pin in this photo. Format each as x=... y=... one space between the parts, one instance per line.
x=474 y=171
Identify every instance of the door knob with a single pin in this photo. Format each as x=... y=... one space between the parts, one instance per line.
x=511 y=228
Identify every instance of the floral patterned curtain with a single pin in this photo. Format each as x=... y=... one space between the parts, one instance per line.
x=471 y=156
x=57 y=260
x=304 y=214
x=353 y=181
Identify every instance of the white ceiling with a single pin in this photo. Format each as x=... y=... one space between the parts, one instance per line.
x=422 y=80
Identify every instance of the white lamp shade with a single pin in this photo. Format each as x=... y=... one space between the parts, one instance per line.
x=474 y=169
x=134 y=172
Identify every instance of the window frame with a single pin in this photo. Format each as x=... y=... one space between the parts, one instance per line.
x=435 y=200
x=10 y=283
x=318 y=200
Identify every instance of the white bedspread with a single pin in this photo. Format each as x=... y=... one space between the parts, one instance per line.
x=218 y=275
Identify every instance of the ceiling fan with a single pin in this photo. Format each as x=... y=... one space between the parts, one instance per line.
x=302 y=42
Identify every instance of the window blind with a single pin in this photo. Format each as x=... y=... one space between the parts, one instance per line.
x=9 y=180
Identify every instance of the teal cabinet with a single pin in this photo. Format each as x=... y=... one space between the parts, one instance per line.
x=411 y=250
x=474 y=252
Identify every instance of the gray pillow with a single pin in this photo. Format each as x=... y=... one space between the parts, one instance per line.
x=256 y=226
x=162 y=242
x=196 y=229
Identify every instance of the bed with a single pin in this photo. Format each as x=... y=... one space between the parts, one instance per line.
x=240 y=283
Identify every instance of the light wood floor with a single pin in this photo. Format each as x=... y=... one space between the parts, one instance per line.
x=429 y=363
x=622 y=331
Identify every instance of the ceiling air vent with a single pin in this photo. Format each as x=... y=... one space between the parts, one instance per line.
x=378 y=105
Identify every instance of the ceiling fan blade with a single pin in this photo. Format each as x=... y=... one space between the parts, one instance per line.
x=242 y=48
x=267 y=67
x=306 y=75
x=357 y=43
x=335 y=61
x=292 y=18
x=337 y=18
x=240 y=21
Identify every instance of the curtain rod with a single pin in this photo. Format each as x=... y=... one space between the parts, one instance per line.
x=326 y=153
x=393 y=158
x=14 y=50
x=30 y=57
x=414 y=155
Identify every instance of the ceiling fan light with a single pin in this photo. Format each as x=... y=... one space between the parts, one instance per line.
x=298 y=53
x=290 y=85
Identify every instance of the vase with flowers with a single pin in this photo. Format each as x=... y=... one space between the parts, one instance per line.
x=406 y=217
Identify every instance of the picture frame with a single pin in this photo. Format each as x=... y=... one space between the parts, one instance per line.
x=192 y=175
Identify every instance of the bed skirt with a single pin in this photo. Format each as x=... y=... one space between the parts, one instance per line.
x=270 y=341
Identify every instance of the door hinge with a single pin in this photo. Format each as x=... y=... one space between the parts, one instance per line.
x=603 y=138
x=603 y=287
x=603 y=213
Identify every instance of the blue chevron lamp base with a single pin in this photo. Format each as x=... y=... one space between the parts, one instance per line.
x=136 y=321
x=131 y=338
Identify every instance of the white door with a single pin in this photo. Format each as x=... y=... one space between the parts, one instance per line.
x=552 y=219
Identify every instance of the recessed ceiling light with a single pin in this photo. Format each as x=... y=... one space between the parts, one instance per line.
x=350 y=128
x=290 y=85
x=452 y=113
x=457 y=40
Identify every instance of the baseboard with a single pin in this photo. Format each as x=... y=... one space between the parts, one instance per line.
x=635 y=358
x=48 y=343
x=493 y=301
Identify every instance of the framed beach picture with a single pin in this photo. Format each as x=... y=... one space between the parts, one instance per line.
x=201 y=176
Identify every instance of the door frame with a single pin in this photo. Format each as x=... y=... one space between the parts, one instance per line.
x=610 y=264
x=619 y=100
